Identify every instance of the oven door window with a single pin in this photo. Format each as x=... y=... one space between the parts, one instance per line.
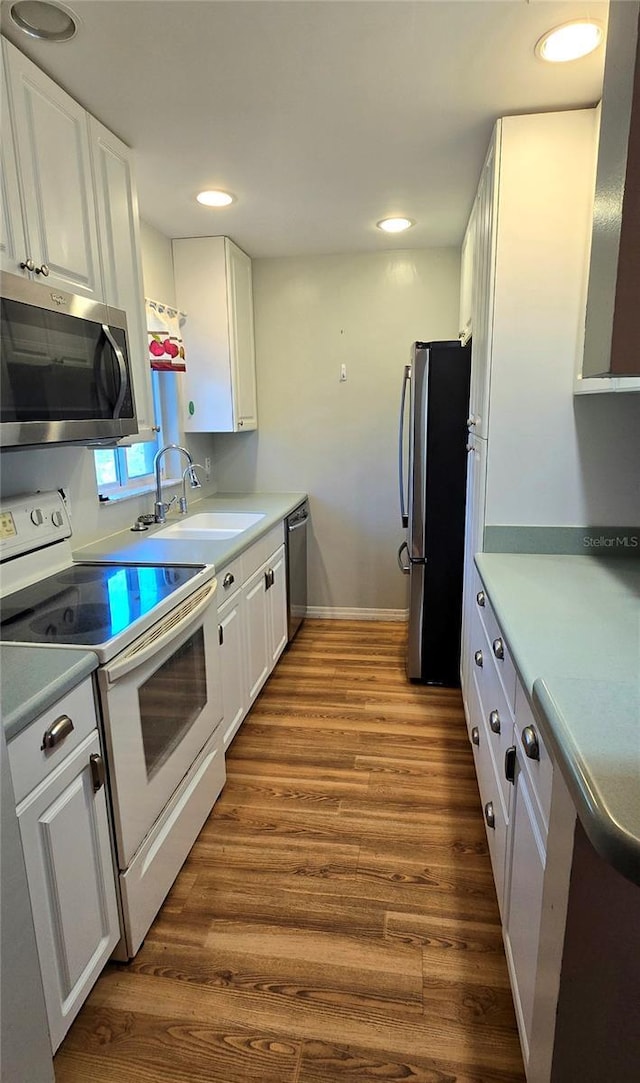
x=170 y=701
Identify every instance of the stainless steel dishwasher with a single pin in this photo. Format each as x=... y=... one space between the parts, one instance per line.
x=297 y=567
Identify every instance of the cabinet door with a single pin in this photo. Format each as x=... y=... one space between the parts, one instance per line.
x=277 y=600
x=67 y=850
x=52 y=145
x=13 y=244
x=465 y=324
x=524 y=908
x=232 y=665
x=257 y=636
x=483 y=290
x=242 y=347
x=118 y=222
x=473 y=543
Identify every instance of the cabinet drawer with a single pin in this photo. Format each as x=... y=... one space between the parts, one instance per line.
x=29 y=762
x=230 y=579
x=540 y=770
x=261 y=550
x=491 y=802
x=497 y=644
x=498 y=721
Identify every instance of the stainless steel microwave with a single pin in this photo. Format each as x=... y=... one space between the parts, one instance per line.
x=65 y=370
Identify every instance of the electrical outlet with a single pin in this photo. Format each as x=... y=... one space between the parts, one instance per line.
x=207 y=467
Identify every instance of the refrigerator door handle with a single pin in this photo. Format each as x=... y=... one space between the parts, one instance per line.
x=403 y=400
x=404 y=568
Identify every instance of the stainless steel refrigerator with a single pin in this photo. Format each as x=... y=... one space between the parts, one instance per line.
x=433 y=472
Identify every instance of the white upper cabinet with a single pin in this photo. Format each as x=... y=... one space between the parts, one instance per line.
x=13 y=243
x=466 y=280
x=59 y=228
x=213 y=285
x=119 y=232
x=481 y=290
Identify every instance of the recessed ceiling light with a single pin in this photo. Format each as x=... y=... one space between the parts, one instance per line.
x=44 y=20
x=215 y=198
x=395 y=225
x=570 y=41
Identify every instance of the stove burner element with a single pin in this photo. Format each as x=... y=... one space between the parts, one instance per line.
x=68 y=624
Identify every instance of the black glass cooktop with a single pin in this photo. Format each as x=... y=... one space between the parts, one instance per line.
x=87 y=604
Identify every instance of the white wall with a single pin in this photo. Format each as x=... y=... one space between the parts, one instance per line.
x=338 y=441
x=71 y=468
x=554 y=460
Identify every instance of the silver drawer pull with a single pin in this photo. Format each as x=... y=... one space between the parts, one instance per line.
x=475 y=736
x=494 y=721
x=498 y=648
x=57 y=732
x=96 y=763
x=489 y=815
x=531 y=743
x=228 y=579
x=478 y=658
x=480 y=598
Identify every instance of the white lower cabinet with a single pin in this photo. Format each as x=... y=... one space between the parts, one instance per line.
x=67 y=849
x=252 y=625
x=232 y=666
x=530 y=821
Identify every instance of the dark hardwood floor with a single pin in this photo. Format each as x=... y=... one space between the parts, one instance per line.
x=336 y=919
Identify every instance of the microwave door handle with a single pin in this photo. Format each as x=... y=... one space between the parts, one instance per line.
x=124 y=380
x=403 y=400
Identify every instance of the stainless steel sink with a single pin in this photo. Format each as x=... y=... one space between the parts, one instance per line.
x=211 y=526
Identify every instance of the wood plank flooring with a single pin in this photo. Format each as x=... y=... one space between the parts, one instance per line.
x=336 y=920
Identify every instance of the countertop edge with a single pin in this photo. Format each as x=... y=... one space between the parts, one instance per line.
x=620 y=848
x=80 y=665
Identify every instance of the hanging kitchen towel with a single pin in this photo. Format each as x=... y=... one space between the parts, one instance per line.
x=166 y=348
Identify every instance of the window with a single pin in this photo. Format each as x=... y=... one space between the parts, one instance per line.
x=124 y=470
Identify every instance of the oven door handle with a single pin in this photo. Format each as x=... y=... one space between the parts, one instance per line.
x=157 y=638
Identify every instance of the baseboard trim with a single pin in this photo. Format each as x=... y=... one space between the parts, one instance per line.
x=326 y=612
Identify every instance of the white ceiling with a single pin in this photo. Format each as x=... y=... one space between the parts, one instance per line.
x=321 y=116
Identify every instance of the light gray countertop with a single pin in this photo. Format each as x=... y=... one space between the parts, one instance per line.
x=573 y=628
x=34 y=678
x=130 y=547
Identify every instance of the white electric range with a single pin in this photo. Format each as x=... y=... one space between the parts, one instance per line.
x=154 y=630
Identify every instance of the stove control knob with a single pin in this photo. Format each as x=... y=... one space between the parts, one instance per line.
x=36 y=517
x=57 y=518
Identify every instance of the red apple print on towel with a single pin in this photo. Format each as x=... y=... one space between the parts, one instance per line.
x=156 y=348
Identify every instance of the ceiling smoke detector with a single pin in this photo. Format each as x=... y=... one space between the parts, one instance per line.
x=44 y=19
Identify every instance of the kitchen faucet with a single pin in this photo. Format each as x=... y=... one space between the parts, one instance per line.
x=160 y=508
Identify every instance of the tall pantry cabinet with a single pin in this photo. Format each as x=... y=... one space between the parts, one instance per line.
x=529 y=230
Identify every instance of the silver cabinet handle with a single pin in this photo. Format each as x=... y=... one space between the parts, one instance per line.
x=498 y=648
x=228 y=580
x=269 y=578
x=220 y=634
x=531 y=743
x=475 y=736
x=510 y=764
x=240 y=423
x=96 y=764
x=480 y=598
x=478 y=658
x=56 y=732
x=494 y=721
x=28 y=265
x=43 y=270
x=489 y=815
